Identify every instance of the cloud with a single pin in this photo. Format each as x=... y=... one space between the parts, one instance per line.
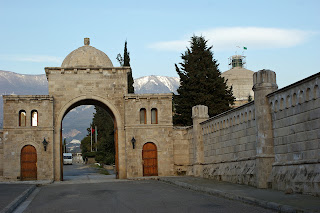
x=32 y=58
x=251 y=37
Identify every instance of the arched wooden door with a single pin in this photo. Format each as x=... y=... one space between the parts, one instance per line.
x=28 y=163
x=150 y=159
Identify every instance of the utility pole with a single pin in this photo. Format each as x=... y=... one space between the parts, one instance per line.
x=91 y=136
x=96 y=134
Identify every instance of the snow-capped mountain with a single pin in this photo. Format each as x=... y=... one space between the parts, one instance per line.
x=156 y=84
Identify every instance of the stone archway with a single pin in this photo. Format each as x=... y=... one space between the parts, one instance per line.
x=118 y=136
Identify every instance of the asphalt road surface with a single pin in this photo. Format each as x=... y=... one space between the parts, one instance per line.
x=114 y=195
x=77 y=169
x=130 y=196
x=82 y=172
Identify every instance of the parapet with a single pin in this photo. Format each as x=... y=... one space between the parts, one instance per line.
x=264 y=78
x=200 y=111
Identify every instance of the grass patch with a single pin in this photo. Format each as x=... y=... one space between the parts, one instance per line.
x=104 y=172
x=100 y=169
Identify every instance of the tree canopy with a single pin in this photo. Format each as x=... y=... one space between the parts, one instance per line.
x=200 y=83
x=105 y=131
x=105 y=138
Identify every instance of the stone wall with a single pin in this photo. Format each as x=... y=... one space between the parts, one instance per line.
x=15 y=137
x=181 y=151
x=273 y=141
x=296 y=129
x=229 y=146
x=1 y=153
x=159 y=133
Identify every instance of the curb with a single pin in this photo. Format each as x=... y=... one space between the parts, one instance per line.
x=16 y=202
x=250 y=200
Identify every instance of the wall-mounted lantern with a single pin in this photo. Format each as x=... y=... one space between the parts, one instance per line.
x=45 y=144
x=133 y=141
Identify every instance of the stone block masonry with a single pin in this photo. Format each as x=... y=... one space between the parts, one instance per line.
x=17 y=134
x=1 y=153
x=296 y=129
x=229 y=146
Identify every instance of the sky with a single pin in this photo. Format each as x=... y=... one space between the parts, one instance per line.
x=281 y=35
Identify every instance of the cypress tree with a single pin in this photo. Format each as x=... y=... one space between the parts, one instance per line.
x=200 y=83
x=126 y=62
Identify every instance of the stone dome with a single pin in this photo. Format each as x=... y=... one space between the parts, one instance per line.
x=86 y=57
x=241 y=80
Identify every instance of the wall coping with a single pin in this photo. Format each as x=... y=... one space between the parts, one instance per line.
x=148 y=96
x=317 y=75
x=93 y=70
x=182 y=127
x=227 y=112
x=86 y=68
x=27 y=97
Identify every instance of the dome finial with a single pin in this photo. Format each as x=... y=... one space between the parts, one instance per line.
x=87 y=41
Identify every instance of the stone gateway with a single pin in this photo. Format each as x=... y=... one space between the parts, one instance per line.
x=271 y=142
x=87 y=77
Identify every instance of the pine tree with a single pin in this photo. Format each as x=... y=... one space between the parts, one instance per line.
x=200 y=83
x=64 y=145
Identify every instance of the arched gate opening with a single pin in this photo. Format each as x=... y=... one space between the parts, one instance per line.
x=102 y=105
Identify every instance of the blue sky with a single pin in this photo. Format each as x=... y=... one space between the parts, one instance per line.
x=282 y=35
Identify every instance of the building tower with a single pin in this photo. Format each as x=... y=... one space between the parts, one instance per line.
x=240 y=79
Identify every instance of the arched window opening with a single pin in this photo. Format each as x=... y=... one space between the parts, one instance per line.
x=281 y=104
x=276 y=107
x=288 y=101
x=34 y=118
x=22 y=118
x=154 y=116
x=301 y=97
x=294 y=99
x=143 y=116
x=315 y=92
x=308 y=94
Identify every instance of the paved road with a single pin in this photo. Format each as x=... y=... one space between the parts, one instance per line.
x=9 y=193
x=130 y=196
x=80 y=173
x=78 y=170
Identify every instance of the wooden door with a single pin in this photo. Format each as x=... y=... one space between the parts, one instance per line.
x=28 y=163
x=150 y=160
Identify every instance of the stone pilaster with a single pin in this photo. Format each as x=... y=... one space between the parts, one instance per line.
x=264 y=82
x=199 y=114
x=1 y=153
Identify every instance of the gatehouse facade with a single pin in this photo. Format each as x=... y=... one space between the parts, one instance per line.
x=86 y=77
